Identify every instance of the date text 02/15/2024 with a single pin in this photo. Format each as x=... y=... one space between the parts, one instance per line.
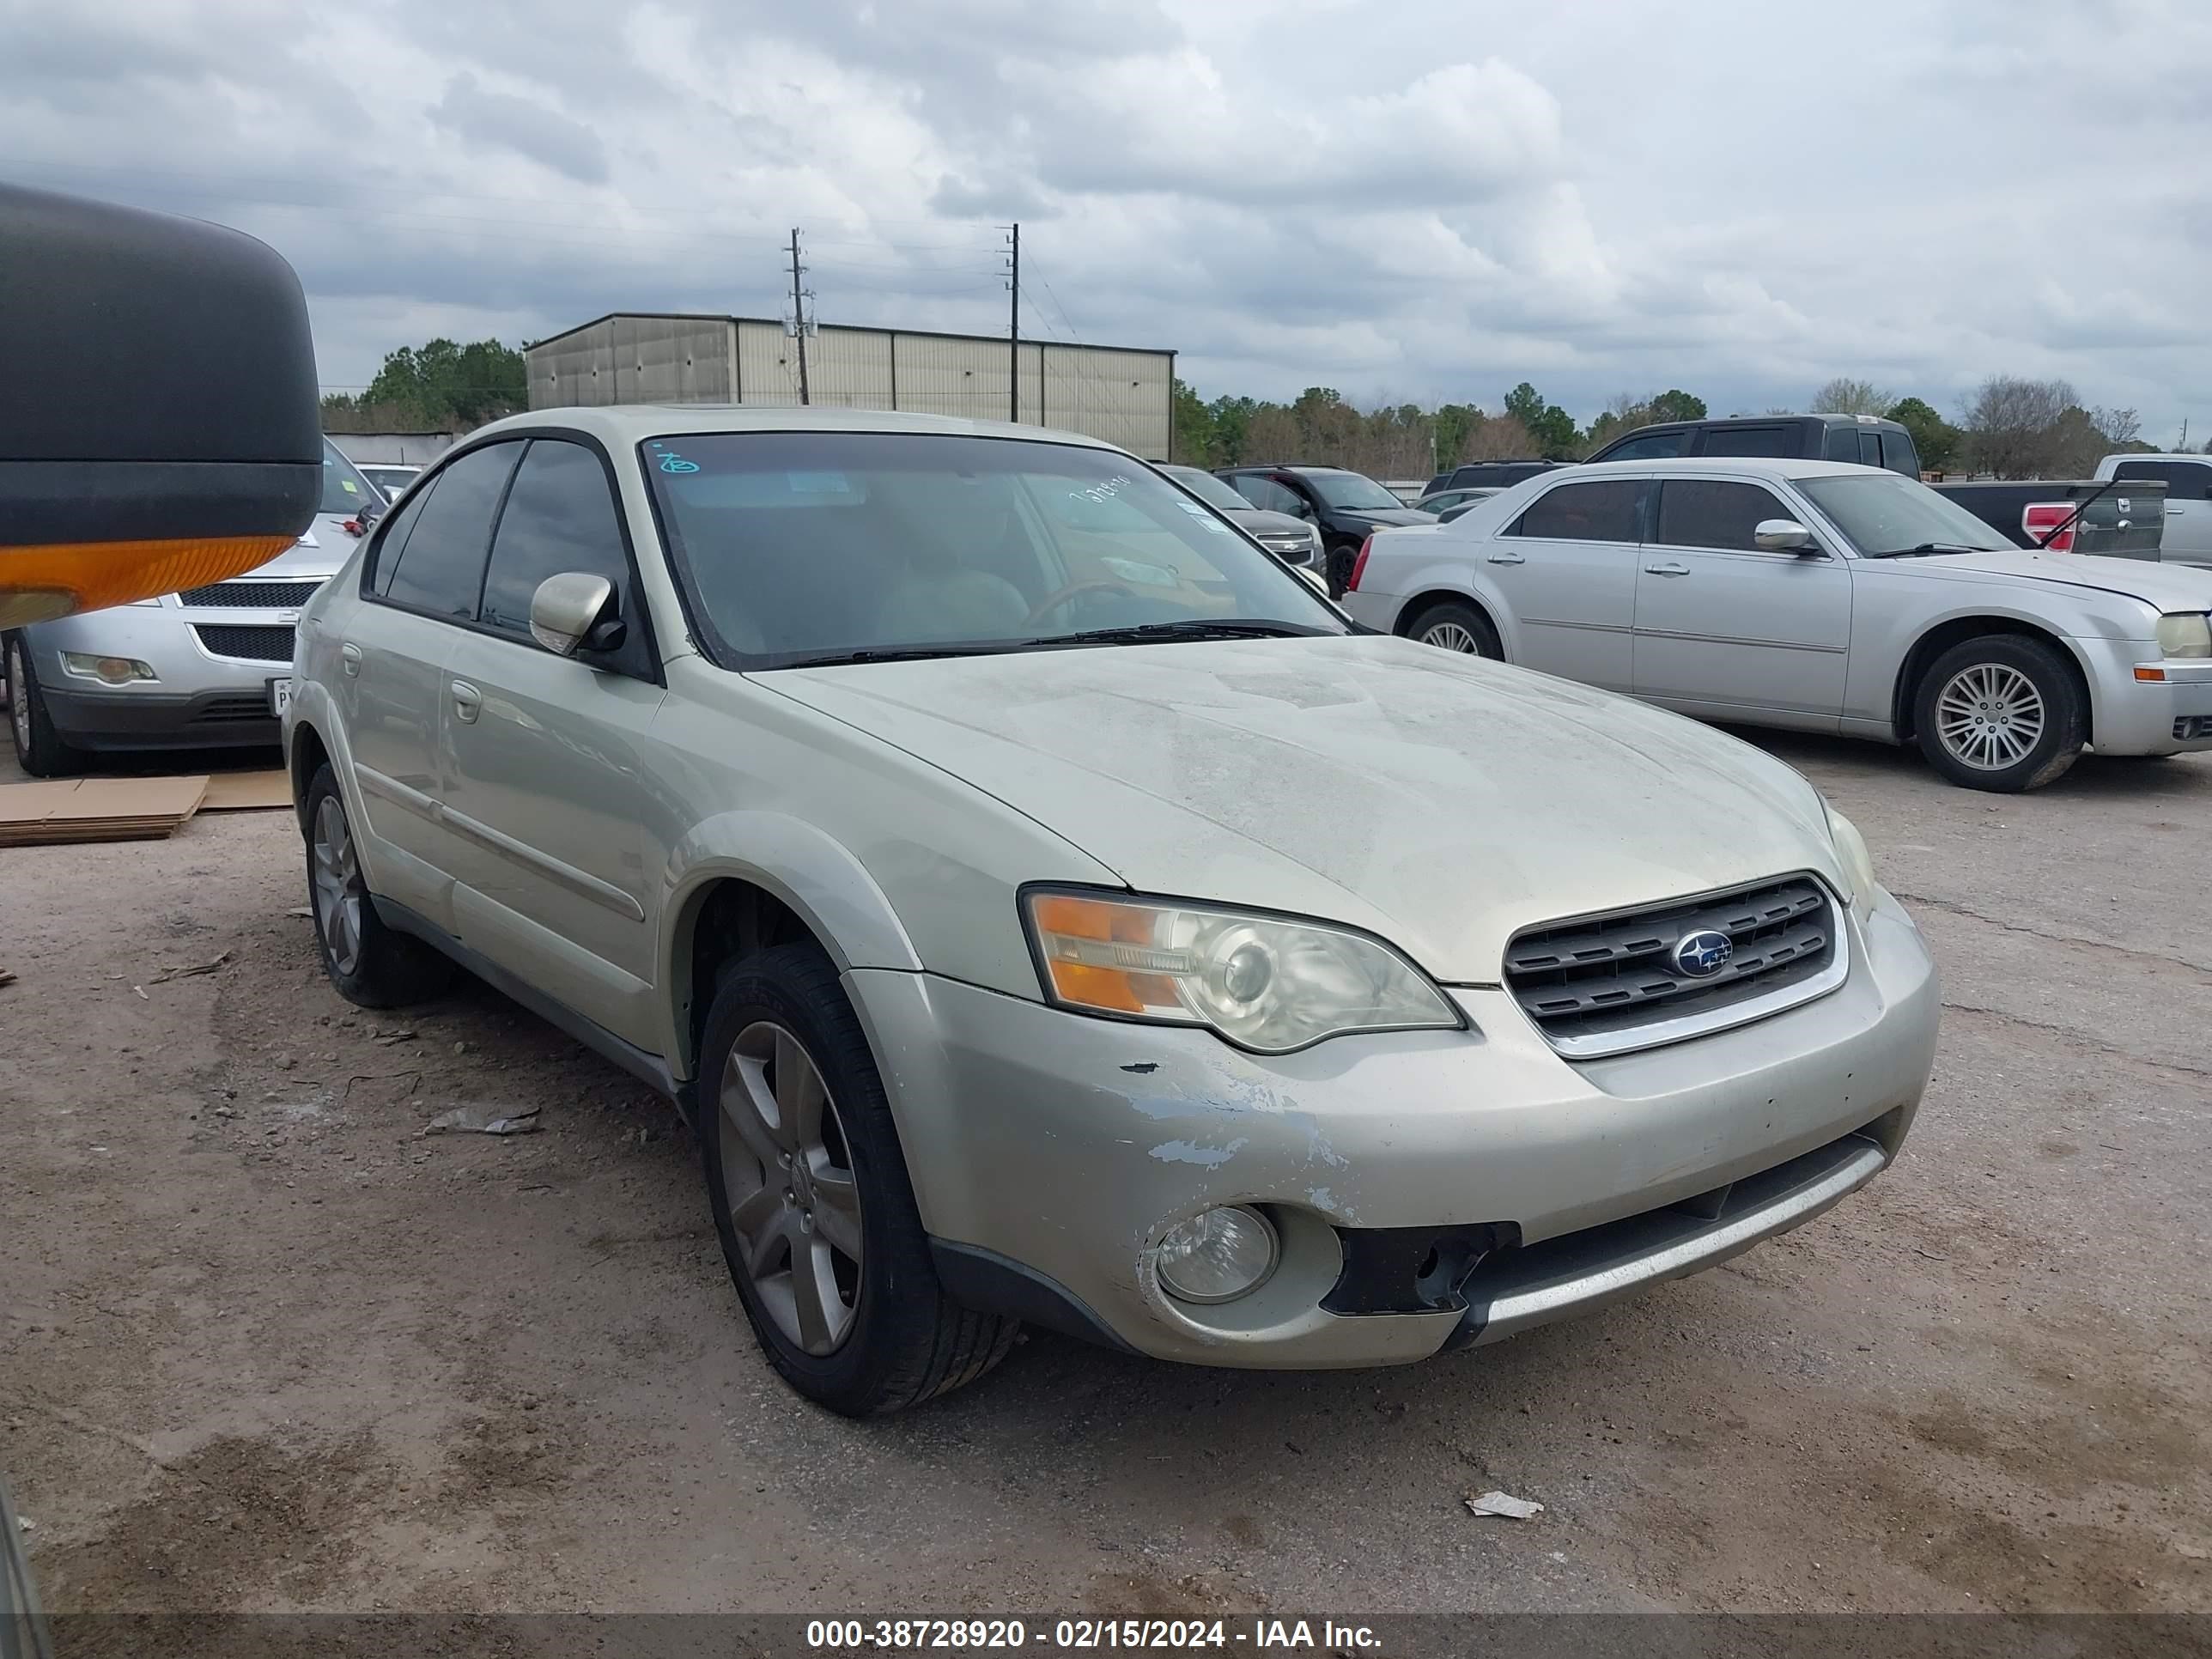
x=1077 y=1635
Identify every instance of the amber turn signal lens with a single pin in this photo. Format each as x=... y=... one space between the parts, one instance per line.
x=38 y=584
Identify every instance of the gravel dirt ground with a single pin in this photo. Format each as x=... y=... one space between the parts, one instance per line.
x=265 y=1347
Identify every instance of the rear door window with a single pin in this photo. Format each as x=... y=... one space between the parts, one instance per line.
x=1604 y=510
x=1268 y=494
x=1652 y=447
x=440 y=569
x=1749 y=440
x=2185 y=481
x=1898 y=454
x=1712 y=513
x=1844 y=444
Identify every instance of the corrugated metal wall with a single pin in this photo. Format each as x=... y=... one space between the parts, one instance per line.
x=1107 y=391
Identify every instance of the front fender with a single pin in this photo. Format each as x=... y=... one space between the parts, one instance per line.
x=819 y=878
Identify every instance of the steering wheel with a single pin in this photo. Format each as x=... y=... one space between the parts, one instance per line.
x=1073 y=590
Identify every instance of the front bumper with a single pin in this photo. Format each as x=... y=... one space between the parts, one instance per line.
x=198 y=700
x=2169 y=716
x=1050 y=1151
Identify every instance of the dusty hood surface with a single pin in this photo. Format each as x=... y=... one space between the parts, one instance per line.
x=2168 y=587
x=1438 y=801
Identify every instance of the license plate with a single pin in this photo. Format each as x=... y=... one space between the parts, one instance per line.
x=280 y=696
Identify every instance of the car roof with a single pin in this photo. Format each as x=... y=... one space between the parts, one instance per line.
x=622 y=425
x=1759 y=466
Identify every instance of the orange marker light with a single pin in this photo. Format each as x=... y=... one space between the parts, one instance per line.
x=38 y=584
x=2142 y=673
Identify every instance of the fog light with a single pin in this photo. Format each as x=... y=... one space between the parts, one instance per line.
x=1218 y=1255
x=109 y=670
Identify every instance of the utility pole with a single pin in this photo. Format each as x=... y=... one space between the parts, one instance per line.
x=1014 y=326
x=798 y=317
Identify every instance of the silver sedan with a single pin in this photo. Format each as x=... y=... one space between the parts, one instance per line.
x=1816 y=596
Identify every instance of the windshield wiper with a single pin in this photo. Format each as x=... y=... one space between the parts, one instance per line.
x=1192 y=628
x=1929 y=550
x=902 y=653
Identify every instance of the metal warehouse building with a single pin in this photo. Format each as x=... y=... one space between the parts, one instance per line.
x=1122 y=394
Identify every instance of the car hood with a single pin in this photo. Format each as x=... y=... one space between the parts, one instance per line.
x=1439 y=800
x=1261 y=522
x=1381 y=516
x=2168 y=587
x=323 y=546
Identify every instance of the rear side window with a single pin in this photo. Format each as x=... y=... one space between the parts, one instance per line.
x=1749 y=441
x=1844 y=444
x=560 y=516
x=1608 y=510
x=385 y=558
x=1268 y=494
x=441 y=568
x=1708 y=512
x=1653 y=446
x=2184 y=481
x=1898 y=454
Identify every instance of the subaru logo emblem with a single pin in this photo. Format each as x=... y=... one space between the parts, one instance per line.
x=1702 y=955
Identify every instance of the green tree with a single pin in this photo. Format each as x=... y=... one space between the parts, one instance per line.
x=447 y=386
x=1553 y=429
x=1193 y=441
x=1232 y=425
x=1453 y=424
x=1935 y=437
x=1676 y=404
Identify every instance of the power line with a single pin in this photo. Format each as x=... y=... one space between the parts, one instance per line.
x=799 y=323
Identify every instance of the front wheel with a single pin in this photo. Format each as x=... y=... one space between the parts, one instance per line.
x=2001 y=712
x=372 y=965
x=1462 y=627
x=40 y=749
x=810 y=1193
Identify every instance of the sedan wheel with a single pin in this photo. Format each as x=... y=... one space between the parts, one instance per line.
x=788 y=1174
x=2002 y=711
x=1989 y=716
x=1448 y=636
x=1452 y=626
x=338 y=885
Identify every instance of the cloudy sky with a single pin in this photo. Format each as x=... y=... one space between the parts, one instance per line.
x=1406 y=199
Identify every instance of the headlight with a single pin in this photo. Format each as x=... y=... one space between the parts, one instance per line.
x=1264 y=982
x=1313 y=535
x=2186 y=634
x=109 y=670
x=1858 y=863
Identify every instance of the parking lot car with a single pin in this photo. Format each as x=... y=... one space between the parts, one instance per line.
x=207 y=668
x=1293 y=540
x=1447 y=503
x=1046 y=908
x=1343 y=506
x=1814 y=595
x=1860 y=439
x=2187 y=501
x=390 y=477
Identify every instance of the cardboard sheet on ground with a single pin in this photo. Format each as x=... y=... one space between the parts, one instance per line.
x=240 y=791
x=97 y=808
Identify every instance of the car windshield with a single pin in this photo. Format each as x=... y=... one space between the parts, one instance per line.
x=1884 y=514
x=344 y=490
x=819 y=547
x=1208 y=489
x=1353 y=491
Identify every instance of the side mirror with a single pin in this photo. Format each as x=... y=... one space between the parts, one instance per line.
x=210 y=464
x=1783 y=535
x=574 y=610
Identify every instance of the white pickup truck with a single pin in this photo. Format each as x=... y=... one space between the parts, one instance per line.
x=2188 y=481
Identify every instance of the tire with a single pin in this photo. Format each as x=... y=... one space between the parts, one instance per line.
x=1337 y=567
x=824 y=1178
x=2001 y=712
x=1452 y=626
x=372 y=965
x=40 y=749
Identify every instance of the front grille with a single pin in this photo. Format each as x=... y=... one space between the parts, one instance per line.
x=1597 y=984
x=1292 y=549
x=252 y=644
x=253 y=596
x=245 y=709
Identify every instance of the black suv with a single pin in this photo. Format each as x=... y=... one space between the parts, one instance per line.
x=1345 y=507
x=1489 y=474
x=1861 y=439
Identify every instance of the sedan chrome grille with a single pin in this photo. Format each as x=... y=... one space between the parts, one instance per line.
x=1605 y=984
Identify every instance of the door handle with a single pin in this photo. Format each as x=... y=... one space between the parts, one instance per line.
x=350 y=659
x=1668 y=568
x=468 y=702
x=1508 y=558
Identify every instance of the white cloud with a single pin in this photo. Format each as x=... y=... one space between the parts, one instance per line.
x=1736 y=197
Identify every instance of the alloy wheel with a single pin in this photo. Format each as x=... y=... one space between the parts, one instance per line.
x=1450 y=636
x=339 y=891
x=1989 y=716
x=787 y=1177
